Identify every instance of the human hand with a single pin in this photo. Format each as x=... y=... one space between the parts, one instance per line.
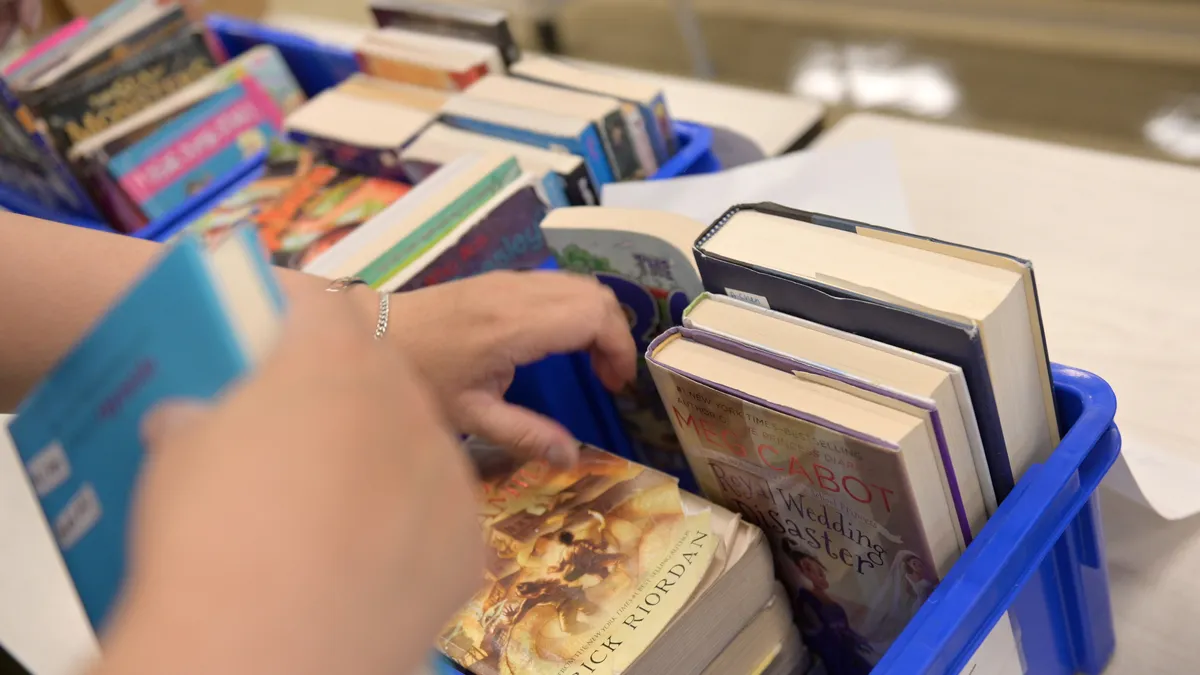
x=318 y=518
x=18 y=14
x=467 y=338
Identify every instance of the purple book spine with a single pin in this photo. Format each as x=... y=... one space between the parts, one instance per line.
x=510 y=237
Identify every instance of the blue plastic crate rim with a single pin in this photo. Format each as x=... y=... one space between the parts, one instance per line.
x=1018 y=540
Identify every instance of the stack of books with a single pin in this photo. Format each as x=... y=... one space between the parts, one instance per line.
x=848 y=405
x=138 y=117
x=132 y=114
x=867 y=397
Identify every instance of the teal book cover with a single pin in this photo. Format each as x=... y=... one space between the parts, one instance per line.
x=180 y=332
x=185 y=155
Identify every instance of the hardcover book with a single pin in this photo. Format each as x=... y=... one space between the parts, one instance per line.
x=196 y=322
x=925 y=296
x=846 y=490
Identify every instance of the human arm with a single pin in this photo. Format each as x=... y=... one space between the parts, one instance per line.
x=318 y=517
x=465 y=337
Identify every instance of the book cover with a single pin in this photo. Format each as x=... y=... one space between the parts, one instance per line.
x=470 y=23
x=654 y=282
x=619 y=146
x=30 y=163
x=182 y=157
x=173 y=335
x=299 y=206
x=404 y=252
x=658 y=118
x=587 y=144
x=837 y=506
x=944 y=339
x=95 y=102
x=585 y=568
x=510 y=237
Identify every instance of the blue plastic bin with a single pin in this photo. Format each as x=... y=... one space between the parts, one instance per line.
x=1040 y=558
x=317 y=67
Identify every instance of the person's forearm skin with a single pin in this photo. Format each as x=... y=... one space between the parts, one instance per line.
x=55 y=282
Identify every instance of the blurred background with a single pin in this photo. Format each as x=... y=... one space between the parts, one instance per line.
x=1121 y=75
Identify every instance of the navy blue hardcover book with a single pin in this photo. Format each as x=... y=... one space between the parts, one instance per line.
x=954 y=342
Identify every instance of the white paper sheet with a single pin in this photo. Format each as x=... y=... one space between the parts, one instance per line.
x=858 y=181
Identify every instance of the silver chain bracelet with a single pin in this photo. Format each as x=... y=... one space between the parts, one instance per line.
x=385 y=302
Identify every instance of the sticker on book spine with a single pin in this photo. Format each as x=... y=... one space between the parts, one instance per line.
x=77 y=518
x=748 y=297
x=48 y=469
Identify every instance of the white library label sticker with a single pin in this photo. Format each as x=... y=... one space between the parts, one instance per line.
x=77 y=518
x=748 y=297
x=999 y=654
x=49 y=468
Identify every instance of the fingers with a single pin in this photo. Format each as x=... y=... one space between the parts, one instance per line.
x=170 y=417
x=557 y=312
x=520 y=430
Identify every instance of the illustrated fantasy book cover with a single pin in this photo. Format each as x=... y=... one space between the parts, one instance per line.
x=837 y=505
x=300 y=206
x=585 y=568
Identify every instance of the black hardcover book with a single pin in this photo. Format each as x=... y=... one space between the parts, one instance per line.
x=470 y=23
x=580 y=189
x=95 y=102
x=937 y=337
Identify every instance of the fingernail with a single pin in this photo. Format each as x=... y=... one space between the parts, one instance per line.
x=563 y=456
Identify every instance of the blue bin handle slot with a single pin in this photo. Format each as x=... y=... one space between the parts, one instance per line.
x=986 y=580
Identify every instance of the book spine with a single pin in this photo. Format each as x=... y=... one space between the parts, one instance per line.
x=825 y=304
x=662 y=150
x=510 y=237
x=497 y=34
x=580 y=189
x=587 y=145
x=404 y=252
x=618 y=146
x=116 y=206
x=640 y=137
x=93 y=104
x=552 y=190
x=665 y=124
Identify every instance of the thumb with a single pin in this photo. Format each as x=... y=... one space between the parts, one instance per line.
x=522 y=431
x=169 y=418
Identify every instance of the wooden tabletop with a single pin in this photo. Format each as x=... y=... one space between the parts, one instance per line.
x=1113 y=241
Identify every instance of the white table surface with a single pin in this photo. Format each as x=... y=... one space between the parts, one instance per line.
x=772 y=121
x=1113 y=243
